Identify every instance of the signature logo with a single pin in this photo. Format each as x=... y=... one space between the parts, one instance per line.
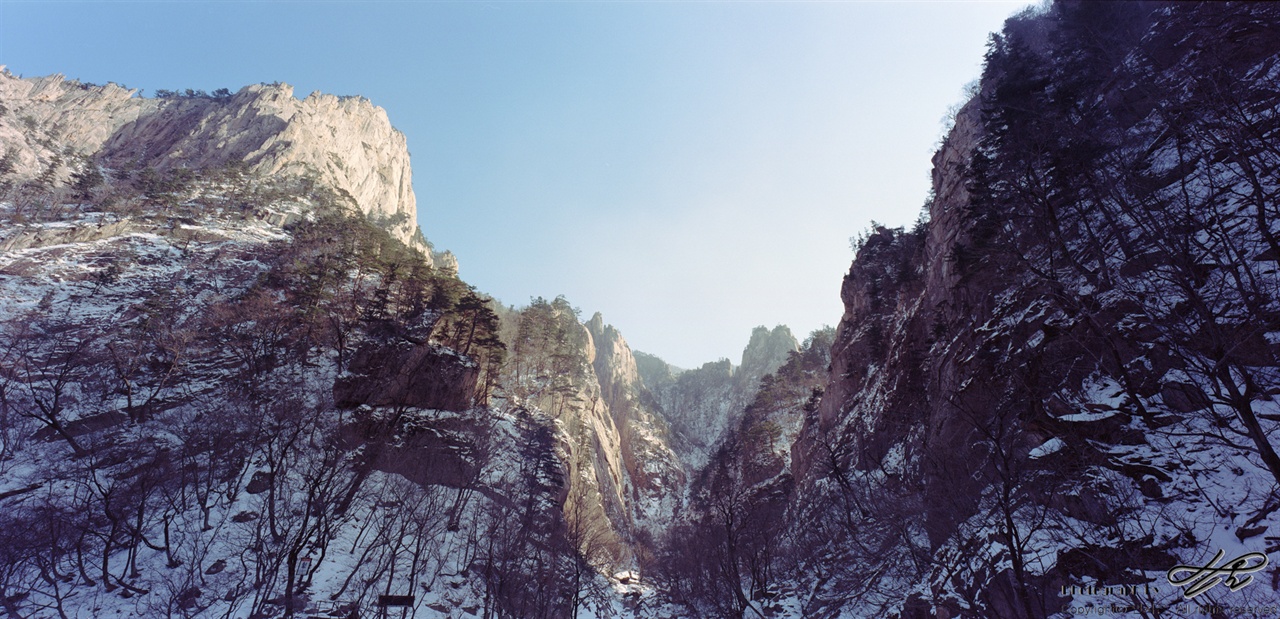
x=1201 y=579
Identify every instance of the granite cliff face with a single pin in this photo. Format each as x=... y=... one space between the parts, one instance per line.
x=901 y=285
x=637 y=430
x=344 y=143
x=623 y=483
x=653 y=476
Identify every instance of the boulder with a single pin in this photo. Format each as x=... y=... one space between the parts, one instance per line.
x=1184 y=397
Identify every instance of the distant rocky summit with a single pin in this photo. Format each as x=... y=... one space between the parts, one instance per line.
x=705 y=403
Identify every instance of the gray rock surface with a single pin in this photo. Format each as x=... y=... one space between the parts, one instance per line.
x=345 y=143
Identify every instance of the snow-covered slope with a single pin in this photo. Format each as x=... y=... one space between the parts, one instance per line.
x=1066 y=378
x=181 y=433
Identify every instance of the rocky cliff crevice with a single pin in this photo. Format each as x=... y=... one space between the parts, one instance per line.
x=654 y=476
x=623 y=482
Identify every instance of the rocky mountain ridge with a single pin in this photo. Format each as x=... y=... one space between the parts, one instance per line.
x=53 y=126
x=703 y=404
x=403 y=372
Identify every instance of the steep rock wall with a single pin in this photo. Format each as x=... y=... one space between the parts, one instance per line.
x=624 y=483
x=1014 y=384
x=345 y=143
x=654 y=477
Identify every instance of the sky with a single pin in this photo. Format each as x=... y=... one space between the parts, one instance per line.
x=689 y=169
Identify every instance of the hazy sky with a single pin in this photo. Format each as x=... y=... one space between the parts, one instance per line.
x=689 y=169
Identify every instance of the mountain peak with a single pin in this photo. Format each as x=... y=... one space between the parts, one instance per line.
x=344 y=143
x=767 y=350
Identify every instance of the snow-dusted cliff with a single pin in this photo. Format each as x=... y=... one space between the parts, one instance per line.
x=703 y=404
x=345 y=143
x=1022 y=389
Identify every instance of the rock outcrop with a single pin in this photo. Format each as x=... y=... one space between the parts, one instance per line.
x=344 y=143
x=654 y=477
x=425 y=448
x=623 y=481
x=407 y=370
x=44 y=115
x=766 y=351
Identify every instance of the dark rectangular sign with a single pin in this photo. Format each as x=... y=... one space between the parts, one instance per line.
x=395 y=600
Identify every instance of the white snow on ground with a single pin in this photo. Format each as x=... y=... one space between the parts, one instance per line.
x=213 y=556
x=1050 y=446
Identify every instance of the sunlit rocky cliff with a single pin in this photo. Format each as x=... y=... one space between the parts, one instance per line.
x=346 y=143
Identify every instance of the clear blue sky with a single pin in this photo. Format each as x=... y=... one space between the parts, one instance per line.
x=689 y=169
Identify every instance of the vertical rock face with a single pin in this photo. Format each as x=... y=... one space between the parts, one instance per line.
x=702 y=404
x=623 y=482
x=401 y=370
x=614 y=365
x=1021 y=377
x=900 y=286
x=345 y=143
x=654 y=478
